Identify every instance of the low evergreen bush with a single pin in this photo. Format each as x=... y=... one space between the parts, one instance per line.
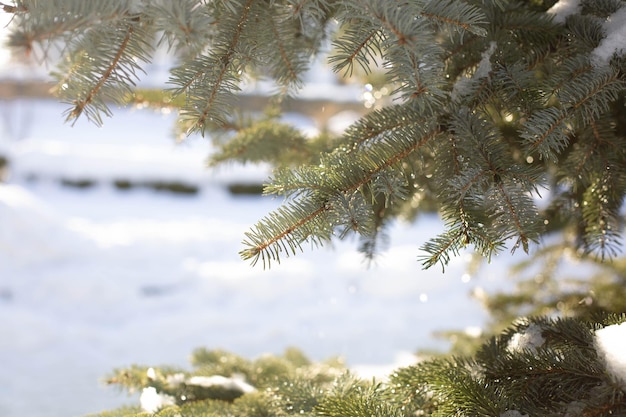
x=537 y=367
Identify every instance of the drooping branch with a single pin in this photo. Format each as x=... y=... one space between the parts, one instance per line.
x=274 y=231
x=106 y=75
x=226 y=61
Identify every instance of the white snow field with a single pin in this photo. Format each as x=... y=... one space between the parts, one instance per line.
x=100 y=278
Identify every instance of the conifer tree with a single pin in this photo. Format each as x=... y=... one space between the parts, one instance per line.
x=507 y=116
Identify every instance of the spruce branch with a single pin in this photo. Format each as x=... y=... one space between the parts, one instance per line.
x=457 y=16
x=484 y=195
x=265 y=140
x=460 y=193
x=584 y=98
x=359 y=44
x=268 y=238
x=291 y=73
x=404 y=54
x=569 y=71
x=374 y=241
x=441 y=248
x=399 y=121
x=461 y=231
x=186 y=25
x=539 y=366
x=60 y=22
x=311 y=15
x=530 y=29
x=514 y=215
x=351 y=214
x=226 y=60
x=601 y=217
x=601 y=8
x=455 y=387
x=80 y=105
x=391 y=186
x=587 y=30
x=354 y=161
x=208 y=81
x=296 y=182
x=594 y=94
x=298 y=7
x=288 y=55
x=514 y=95
x=359 y=400
x=516 y=84
x=546 y=132
x=307 y=218
x=104 y=71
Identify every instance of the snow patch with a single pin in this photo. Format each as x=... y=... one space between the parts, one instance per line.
x=341 y=121
x=232 y=384
x=564 y=8
x=529 y=339
x=473 y=331
x=151 y=401
x=610 y=342
x=23 y=217
x=484 y=66
x=176 y=379
x=119 y=151
x=615 y=41
x=482 y=70
x=382 y=372
x=240 y=270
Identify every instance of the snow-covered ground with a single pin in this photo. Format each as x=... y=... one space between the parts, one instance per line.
x=97 y=278
x=101 y=278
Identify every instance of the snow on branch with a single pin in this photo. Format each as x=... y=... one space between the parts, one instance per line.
x=610 y=342
x=564 y=8
x=615 y=40
x=530 y=339
x=483 y=69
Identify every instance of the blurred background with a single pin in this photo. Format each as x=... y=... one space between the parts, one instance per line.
x=119 y=246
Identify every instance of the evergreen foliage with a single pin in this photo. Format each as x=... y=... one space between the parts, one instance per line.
x=537 y=367
x=492 y=101
x=547 y=284
x=506 y=116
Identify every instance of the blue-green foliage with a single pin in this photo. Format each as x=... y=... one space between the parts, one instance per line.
x=538 y=367
x=487 y=103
